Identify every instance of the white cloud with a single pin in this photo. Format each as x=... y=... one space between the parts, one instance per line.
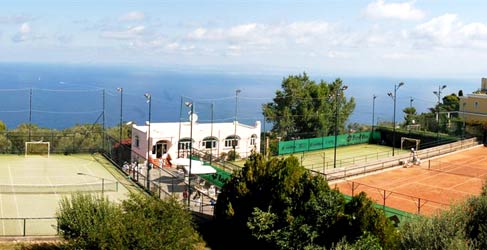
x=448 y=31
x=338 y=55
x=438 y=28
x=475 y=30
x=198 y=33
x=244 y=30
x=402 y=11
x=16 y=19
x=127 y=34
x=264 y=34
x=133 y=16
x=25 y=34
x=25 y=28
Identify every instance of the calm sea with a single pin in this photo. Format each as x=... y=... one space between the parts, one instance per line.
x=60 y=96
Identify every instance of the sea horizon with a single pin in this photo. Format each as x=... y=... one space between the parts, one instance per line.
x=66 y=95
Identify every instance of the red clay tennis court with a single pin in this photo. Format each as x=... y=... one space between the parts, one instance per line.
x=425 y=189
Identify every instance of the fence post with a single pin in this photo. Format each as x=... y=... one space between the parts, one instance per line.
x=24 y=227
x=429 y=164
x=324 y=162
x=353 y=187
x=419 y=205
x=384 y=206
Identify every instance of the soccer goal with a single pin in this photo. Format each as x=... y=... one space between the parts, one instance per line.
x=408 y=143
x=37 y=148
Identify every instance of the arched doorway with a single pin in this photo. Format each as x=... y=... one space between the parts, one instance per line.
x=161 y=147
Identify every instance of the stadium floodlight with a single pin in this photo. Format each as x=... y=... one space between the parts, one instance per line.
x=438 y=94
x=343 y=88
x=190 y=105
x=394 y=97
x=149 y=101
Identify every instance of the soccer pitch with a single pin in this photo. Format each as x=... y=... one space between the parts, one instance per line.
x=31 y=188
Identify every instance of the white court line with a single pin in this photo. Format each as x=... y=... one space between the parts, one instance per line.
x=13 y=193
x=51 y=184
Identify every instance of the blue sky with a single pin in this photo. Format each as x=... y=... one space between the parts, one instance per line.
x=429 y=38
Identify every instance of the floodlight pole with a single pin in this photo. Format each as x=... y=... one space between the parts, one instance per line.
x=336 y=124
x=394 y=97
x=211 y=135
x=438 y=94
x=149 y=101
x=103 y=126
x=179 y=135
x=373 y=111
x=30 y=115
x=463 y=113
x=121 y=121
x=191 y=106
x=235 y=124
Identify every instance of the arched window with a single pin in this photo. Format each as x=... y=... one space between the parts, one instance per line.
x=232 y=140
x=209 y=142
x=253 y=140
x=184 y=143
x=137 y=141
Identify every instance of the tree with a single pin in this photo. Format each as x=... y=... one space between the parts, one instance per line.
x=278 y=204
x=363 y=217
x=410 y=113
x=141 y=222
x=451 y=102
x=306 y=109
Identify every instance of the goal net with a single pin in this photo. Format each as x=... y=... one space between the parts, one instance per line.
x=37 y=148
x=408 y=143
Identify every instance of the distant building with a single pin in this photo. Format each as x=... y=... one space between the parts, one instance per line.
x=174 y=139
x=473 y=107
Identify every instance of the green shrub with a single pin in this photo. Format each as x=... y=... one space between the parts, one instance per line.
x=141 y=222
x=90 y=222
x=443 y=231
x=476 y=221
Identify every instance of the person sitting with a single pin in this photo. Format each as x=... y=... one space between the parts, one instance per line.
x=212 y=191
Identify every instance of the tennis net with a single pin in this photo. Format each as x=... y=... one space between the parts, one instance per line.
x=456 y=169
x=101 y=186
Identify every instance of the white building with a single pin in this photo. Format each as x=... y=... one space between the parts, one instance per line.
x=174 y=138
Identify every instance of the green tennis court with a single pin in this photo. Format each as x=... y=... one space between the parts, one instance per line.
x=345 y=156
x=31 y=188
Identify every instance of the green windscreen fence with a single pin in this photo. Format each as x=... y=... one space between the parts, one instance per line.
x=401 y=216
x=305 y=145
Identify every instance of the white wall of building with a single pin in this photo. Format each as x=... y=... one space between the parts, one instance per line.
x=170 y=134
